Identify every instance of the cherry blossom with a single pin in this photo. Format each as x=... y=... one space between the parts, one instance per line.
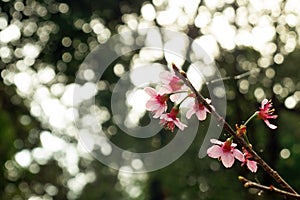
x=169 y=120
x=225 y=151
x=171 y=81
x=199 y=109
x=266 y=112
x=157 y=104
x=172 y=84
x=251 y=164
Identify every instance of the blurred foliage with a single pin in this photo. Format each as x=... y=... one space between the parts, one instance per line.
x=65 y=33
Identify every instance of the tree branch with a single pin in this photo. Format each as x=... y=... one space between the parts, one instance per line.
x=271 y=188
x=182 y=75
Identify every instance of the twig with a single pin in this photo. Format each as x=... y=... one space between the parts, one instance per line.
x=229 y=129
x=271 y=188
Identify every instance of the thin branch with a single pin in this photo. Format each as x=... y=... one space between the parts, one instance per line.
x=271 y=188
x=229 y=129
x=237 y=77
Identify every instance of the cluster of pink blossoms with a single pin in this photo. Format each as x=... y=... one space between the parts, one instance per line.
x=172 y=89
x=227 y=152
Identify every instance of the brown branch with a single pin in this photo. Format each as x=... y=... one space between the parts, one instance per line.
x=229 y=129
x=271 y=188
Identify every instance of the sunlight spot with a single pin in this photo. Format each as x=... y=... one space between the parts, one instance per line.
x=137 y=164
x=263 y=62
x=53 y=109
x=297 y=95
x=3 y=22
x=5 y=52
x=134 y=192
x=23 y=81
x=148 y=12
x=51 y=189
x=203 y=18
x=141 y=75
x=285 y=153
x=137 y=100
x=63 y=8
x=175 y=50
x=23 y=158
x=41 y=155
x=31 y=50
x=168 y=17
x=210 y=44
x=119 y=70
x=66 y=57
x=10 y=33
x=195 y=76
x=270 y=73
x=66 y=42
x=223 y=31
x=106 y=148
x=244 y=86
x=19 y=6
x=45 y=75
x=278 y=58
x=290 y=102
x=259 y=93
x=291 y=20
x=52 y=143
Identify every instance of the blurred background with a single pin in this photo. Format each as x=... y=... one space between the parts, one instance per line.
x=254 y=43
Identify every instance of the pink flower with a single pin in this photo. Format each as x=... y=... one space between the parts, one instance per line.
x=169 y=120
x=225 y=151
x=157 y=103
x=171 y=81
x=251 y=164
x=265 y=112
x=198 y=109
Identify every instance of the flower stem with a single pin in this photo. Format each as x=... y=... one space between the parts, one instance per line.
x=246 y=138
x=250 y=118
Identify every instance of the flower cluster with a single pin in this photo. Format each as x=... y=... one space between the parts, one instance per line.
x=172 y=89
x=227 y=152
x=175 y=91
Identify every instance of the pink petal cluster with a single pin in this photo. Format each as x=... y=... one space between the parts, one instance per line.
x=170 y=120
x=266 y=112
x=251 y=164
x=225 y=151
x=172 y=83
x=199 y=109
x=157 y=104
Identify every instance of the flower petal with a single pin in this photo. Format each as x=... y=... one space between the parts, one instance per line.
x=264 y=102
x=227 y=159
x=252 y=165
x=150 y=91
x=159 y=112
x=201 y=115
x=238 y=155
x=165 y=77
x=189 y=113
x=215 y=141
x=214 y=151
x=179 y=124
x=271 y=126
